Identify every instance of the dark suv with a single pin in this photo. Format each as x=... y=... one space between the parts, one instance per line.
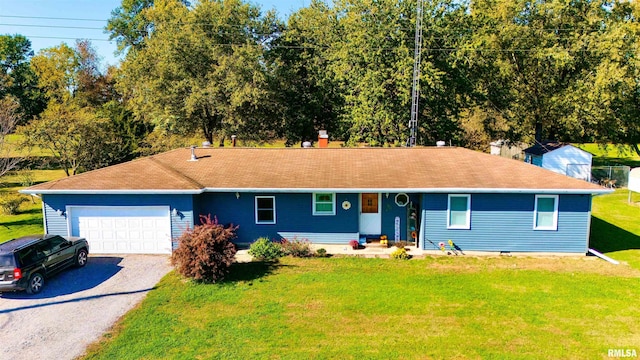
x=25 y=262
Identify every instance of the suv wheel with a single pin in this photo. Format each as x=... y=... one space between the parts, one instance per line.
x=81 y=258
x=36 y=283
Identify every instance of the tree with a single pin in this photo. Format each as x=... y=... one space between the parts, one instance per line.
x=77 y=138
x=306 y=96
x=525 y=58
x=607 y=99
x=16 y=77
x=8 y=121
x=201 y=70
x=57 y=70
x=129 y=24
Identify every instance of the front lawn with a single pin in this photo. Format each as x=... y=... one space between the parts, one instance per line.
x=351 y=308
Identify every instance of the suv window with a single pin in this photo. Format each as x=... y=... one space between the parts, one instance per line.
x=6 y=260
x=52 y=245
x=29 y=256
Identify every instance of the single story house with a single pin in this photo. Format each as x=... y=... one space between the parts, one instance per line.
x=562 y=158
x=325 y=195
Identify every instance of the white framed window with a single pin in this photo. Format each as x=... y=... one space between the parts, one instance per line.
x=459 y=211
x=265 y=209
x=545 y=212
x=324 y=203
x=402 y=199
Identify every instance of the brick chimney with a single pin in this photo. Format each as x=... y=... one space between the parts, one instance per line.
x=323 y=139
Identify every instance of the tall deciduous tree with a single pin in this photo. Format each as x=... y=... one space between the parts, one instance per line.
x=526 y=57
x=306 y=96
x=16 y=77
x=202 y=69
x=75 y=137
x=608 y=97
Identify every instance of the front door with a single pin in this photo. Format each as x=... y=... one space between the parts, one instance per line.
x=370 y=215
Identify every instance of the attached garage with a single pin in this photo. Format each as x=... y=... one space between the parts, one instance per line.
x=122 y=229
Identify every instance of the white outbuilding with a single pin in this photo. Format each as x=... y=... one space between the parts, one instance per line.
x=562 y=158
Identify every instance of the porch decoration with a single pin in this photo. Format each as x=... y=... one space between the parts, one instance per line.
x=346 y=205
x=355 y=245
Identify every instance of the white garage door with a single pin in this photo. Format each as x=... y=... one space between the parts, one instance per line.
x=123 y=229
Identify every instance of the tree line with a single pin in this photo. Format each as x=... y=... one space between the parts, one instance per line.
x=490 y=69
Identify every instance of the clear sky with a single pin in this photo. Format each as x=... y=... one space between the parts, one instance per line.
x=48 y=23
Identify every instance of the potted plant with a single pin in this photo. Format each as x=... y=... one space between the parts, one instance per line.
x=354 y=244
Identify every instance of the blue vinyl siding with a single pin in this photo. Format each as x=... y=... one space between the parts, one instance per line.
x=57 y=224
x=504 y=222
x=389 y=212
x=294 y=213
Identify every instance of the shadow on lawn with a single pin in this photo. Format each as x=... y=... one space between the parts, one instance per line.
x=606 y=237
x=249 y=271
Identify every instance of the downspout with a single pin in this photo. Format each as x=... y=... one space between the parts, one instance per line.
x=604 y=257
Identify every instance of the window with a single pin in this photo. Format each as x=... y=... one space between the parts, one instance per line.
x=459 y=214
x=545 y=214
x=324 y=204
x=402 y=199
x=265 y=210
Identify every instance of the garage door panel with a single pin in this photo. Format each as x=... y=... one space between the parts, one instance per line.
x=135 y=229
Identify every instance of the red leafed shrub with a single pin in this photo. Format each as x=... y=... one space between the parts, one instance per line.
x=205 y=252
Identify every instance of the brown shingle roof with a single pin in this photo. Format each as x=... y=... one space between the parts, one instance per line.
x=294 y=169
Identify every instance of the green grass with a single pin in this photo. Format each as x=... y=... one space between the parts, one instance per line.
x=615 y=226
x=29 y=219
x=611 y=155
x=350 y=308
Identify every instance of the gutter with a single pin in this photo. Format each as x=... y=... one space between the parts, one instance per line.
x=336 y=190
x=112 y=192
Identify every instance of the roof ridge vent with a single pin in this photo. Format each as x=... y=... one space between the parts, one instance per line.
x=193 y=153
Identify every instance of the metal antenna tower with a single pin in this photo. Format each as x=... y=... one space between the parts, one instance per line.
x=415 y=90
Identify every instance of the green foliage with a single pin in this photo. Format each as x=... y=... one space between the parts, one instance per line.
x=17 y=79
x=296 y=247
x=202 y=70
x=77 y=138
x=10 y=203
x=264 y=249
x=205 y=253
x=400 y=254
x=25 y=177
x=322 y=252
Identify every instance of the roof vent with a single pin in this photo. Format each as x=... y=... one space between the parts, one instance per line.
x=193 y=153
x=306 y=144
x=440 y=143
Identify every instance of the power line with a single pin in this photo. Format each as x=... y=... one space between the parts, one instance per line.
x=49 y=18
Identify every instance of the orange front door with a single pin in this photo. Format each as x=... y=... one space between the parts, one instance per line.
x=369 y=203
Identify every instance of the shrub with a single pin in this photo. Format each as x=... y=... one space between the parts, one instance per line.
x=322 y=252
x=264 y=249
x=296 y=248
x=205 y=252
x=400 y=253
x=10 y=203
x=25 y=176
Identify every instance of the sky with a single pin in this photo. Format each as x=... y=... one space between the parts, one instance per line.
x=48 y=23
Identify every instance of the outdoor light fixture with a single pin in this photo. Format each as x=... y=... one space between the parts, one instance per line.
x=174 y=212
x=59 y=212
x=237 y=195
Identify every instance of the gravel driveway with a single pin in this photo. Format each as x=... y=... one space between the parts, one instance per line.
x=76 y=307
